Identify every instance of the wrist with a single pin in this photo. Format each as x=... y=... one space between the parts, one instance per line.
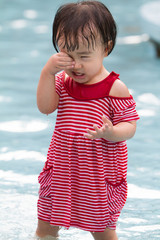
x=111 y=135
x=48 y=72
x=122 y=131
x=50 y=67
x=47 y=77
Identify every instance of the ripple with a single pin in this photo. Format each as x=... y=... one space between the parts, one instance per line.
x=41 y=29
x=22 y=154
x=144 y=228
x=18 y=215
x=149 y=98
x=5 y=99
x=150 y=11
x=142 y=169
x=146 y=112
x=14 y=60
x=23 y=126
x=30 y=14
x=142 y=193
x=11 y=178
x=34 y=53
x=19 y=24
x=137 y=39
x=132 y=220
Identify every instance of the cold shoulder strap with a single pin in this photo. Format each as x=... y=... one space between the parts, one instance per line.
x=111 y=79
x=91 y=91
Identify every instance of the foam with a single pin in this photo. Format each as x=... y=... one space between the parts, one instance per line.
x=23 y=126
x=142 y=193
x=30 y=14
x=5 y=99
x=19 y=24
x=21 y=155
x=149 y=98
x=41 y=29
x=11 y=178
x=144 y=228
x=146 y=112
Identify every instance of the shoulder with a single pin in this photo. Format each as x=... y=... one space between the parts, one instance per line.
x=119 y=89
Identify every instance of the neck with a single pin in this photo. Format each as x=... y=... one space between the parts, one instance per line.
x=102 y=74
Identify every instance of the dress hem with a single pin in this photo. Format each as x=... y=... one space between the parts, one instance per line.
x=78 y=227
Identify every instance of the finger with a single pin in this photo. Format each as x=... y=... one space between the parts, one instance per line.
x=106 y=120
x=96 y=128
x=93 y=133
x=105 y=127
x=88 y=136
x=69 y=67
x=66 y=64
x=66 y=59
x=65 y=56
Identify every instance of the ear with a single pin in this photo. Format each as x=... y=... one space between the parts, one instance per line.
x=105 y=52
x=108 y=47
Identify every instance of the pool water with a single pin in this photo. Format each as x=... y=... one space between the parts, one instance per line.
x=25 y=46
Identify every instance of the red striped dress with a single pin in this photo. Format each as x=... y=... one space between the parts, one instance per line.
x=84 y=182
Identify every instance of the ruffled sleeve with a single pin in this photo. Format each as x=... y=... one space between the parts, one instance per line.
x=123 y=109
x=59 y=82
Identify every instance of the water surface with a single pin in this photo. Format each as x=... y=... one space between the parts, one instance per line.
x=25 y=46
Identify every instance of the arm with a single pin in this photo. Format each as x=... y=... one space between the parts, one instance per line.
x=47 y=98
x=121 y=131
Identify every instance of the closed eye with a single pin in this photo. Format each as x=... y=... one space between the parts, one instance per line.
x=84 y=56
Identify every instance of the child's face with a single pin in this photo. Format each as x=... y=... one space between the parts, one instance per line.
x=88 y=66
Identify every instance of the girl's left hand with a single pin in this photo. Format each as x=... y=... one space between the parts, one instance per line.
x=106 y=131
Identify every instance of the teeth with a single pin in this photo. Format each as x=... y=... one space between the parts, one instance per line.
x=78 y=74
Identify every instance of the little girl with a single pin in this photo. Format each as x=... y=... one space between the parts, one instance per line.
x=84 y=181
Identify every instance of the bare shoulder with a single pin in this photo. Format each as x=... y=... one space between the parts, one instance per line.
x=119 y=89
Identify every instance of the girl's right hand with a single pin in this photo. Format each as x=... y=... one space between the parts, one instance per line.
x=47 y=97
x=59 y=61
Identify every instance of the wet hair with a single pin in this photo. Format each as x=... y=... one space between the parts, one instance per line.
x=84 y=20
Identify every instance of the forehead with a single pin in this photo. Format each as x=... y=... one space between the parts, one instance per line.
x=84 y=42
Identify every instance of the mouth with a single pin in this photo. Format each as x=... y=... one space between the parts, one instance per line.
x=78 y=75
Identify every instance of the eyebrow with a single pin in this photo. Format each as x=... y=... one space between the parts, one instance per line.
x=84 y=53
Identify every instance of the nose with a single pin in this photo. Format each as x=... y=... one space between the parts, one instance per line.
x=77 y=65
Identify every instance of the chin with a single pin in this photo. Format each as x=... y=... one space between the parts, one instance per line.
x=80 y=81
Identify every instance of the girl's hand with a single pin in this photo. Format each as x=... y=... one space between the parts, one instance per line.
x=106 y=131
x=120 y=132
x=59 y=61
x=47 y=97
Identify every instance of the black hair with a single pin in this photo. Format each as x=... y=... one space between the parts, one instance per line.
x=85 y=19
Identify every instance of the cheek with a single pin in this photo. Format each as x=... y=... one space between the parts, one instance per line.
x=96 y=63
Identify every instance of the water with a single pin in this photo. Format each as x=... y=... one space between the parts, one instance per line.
x=25 y=46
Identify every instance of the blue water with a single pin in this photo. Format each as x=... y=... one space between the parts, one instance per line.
x=25 y=46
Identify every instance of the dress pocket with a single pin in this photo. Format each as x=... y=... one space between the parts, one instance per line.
x=117 y=195
x=45 y=179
